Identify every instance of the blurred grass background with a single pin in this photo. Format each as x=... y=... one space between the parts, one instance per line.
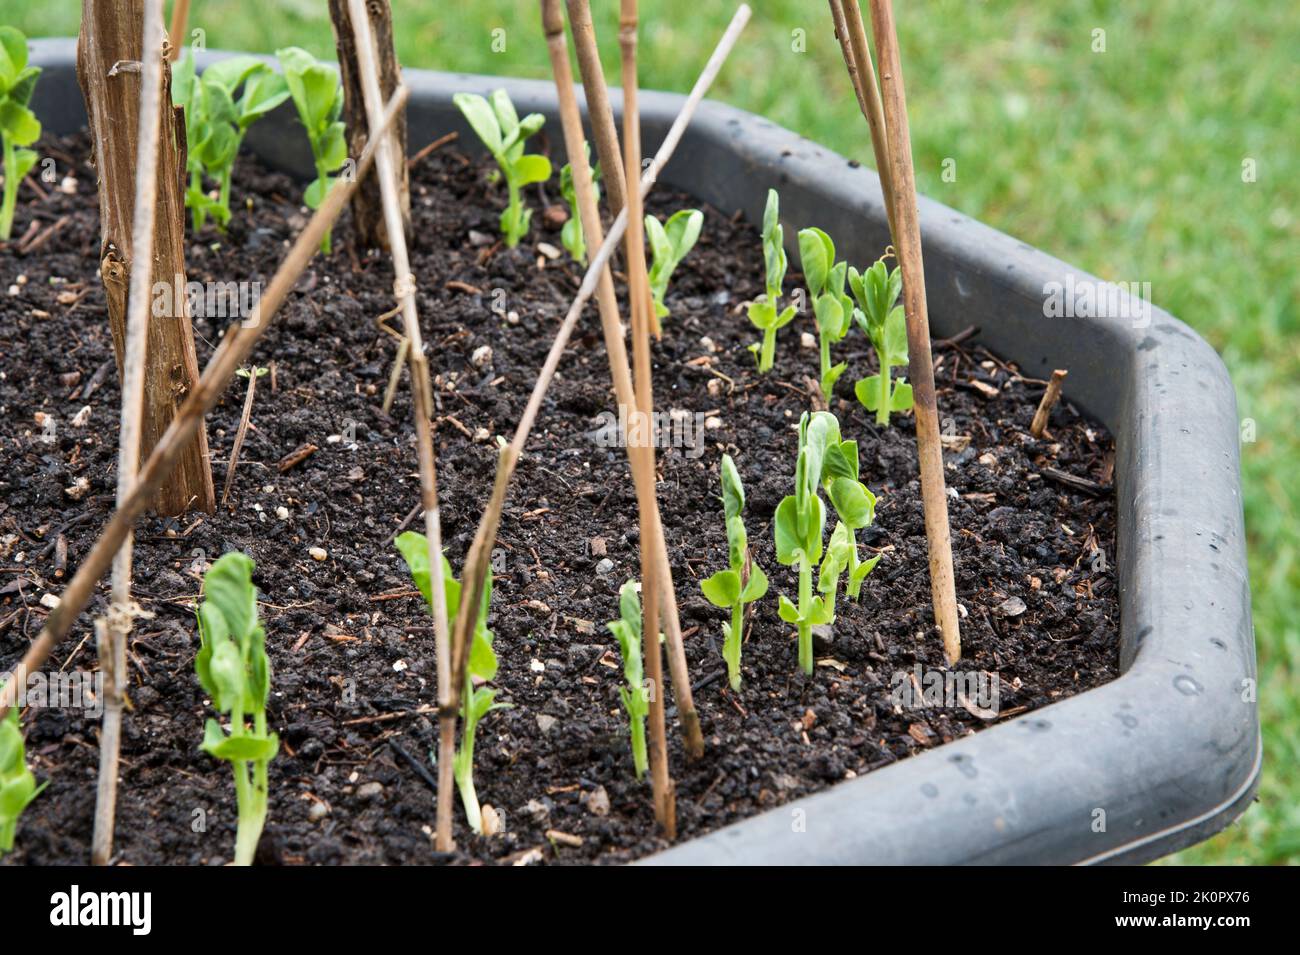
x=1126 y=162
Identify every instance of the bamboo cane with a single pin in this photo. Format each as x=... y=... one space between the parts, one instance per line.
x=180 y=14
x=643 y=479
x=233 y=351
x=112 y=647
x=907 y=242
x=599 y=111
x=862 y=73
x=638 y=299
x=422 y=408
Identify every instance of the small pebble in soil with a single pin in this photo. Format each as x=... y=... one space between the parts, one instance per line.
x=598 y=801
x=546 y=723
x=806 y=340
x=823 y=637
x=369 y=791
x=282 y=512
x=318 y=553
x=604 y=566
x=1011 y=607
x=482 y=356
x=318 y=811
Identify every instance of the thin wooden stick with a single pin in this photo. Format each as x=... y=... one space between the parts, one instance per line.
x=112 y=646
x=651 y=529
x=1050 y=397
x=862 y=73
x=599 y=111
x=422 y=408
x=846 y=50
x=476 y=561
x=233 y=351
x=643 y=479
x=238 y=444
x=907 y=242
x=180 y=14
x=395 y=376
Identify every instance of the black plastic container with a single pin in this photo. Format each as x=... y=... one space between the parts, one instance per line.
x=1161 y=758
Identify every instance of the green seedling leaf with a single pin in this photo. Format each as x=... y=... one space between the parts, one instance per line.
x=13 y=57
x=756 y=588
x=243 y=748
x=478 y=112
x=571 y=235
x=853 y=502
x=669 y=244
x=722 y=588
x=17 y=784
x=816 y=256
x=504 y=134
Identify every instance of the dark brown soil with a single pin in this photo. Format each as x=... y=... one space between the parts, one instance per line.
x=352 y=650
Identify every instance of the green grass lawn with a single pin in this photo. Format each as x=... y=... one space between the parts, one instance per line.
x=1127 y=163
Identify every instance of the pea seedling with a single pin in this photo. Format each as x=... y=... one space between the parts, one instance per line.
x=798 y=526
x=318 y=97
x=743 y=581
x=763 y=313
x=571 y=236
x=854 y=504
x=884 y=322
x=18 y=125
x=504 y=133
x=17 y=784
x=234 y=670
x=215 y=123
x=635 y=696
x=669 y=244
x=476 y=701
x=831 y=306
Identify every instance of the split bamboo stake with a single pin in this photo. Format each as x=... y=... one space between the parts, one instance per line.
x=862 y=74
x=114 y=630
x=1050 y=397
x=907 y=242
x=180 y=14
x=599 y=111
x=638 y=299
x=233 y=351
x=476 y=561
x=421 y=406
x=627 y=395
x=237 y=445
